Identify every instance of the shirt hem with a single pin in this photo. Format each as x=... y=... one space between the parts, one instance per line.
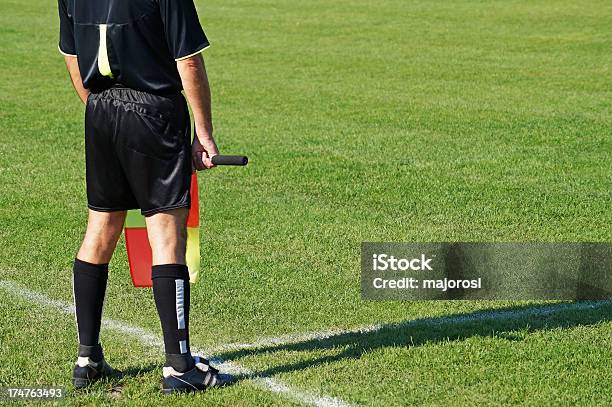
x=65 y=53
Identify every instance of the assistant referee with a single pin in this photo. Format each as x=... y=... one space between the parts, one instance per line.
x=129 y=62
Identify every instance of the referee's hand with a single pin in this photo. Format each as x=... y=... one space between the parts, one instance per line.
x=203 y=150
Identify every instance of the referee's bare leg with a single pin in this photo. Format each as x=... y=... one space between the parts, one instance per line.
x=167 y=232
x=90 y=277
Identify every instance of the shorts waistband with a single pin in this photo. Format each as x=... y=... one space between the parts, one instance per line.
x=120 y=86
x=127 y=94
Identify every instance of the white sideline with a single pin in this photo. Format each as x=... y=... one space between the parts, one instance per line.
x=150 y=339
x=542 y=310
x=275 y=386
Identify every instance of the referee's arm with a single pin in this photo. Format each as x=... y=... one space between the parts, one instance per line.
x=197 y=90
x=72 y=63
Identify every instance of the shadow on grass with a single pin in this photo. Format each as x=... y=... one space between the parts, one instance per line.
x=498 y=322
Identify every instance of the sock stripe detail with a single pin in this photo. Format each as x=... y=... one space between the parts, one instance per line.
x=76 y=318
x=180 y=303
x=183 y=346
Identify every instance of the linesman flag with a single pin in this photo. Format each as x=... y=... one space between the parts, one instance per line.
x=139 y=249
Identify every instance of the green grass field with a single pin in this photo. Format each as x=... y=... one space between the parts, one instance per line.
x=364 y=121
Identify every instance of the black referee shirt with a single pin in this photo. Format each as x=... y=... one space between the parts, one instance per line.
x=132 y=42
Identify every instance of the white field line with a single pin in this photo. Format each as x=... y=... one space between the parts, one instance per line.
x=540 y=311
x=150 y=339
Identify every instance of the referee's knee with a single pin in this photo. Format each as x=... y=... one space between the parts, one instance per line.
x=103 y=231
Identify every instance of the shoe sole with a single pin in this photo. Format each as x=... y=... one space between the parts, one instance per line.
x=80 y=383
x=189 y=390
x=169 y=392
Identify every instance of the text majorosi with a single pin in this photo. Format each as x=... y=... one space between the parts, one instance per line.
x=384 y=262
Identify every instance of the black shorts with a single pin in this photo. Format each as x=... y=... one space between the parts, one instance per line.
x=138 y=151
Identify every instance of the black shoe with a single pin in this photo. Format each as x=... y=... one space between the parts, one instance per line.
x=87 y=371
x=201 y=377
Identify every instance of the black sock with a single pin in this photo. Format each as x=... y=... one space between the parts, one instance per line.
x=89 y=290
x=171 y=292
x=92 y=352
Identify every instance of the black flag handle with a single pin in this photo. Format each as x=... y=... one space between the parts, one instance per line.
x=230 y=160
